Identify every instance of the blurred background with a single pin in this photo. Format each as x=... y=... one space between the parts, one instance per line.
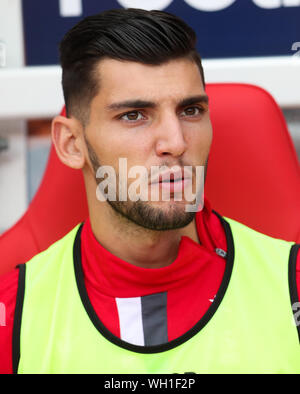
x=252 y=41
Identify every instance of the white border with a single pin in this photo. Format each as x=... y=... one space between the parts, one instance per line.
x=279 y=75
x=13 y=161
x=35 y=92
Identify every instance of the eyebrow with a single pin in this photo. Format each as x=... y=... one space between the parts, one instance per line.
x=131 y=104
x=202 y=98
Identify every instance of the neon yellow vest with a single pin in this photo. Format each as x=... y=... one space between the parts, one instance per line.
x=249 y=328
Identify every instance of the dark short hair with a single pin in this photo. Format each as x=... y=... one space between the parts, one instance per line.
x=148 y=37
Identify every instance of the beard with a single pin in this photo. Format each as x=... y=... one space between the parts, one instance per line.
x=144 y=213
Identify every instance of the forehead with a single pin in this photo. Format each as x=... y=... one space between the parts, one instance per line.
x=122 y=80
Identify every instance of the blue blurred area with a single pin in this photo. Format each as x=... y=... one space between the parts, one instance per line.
x=243 y=29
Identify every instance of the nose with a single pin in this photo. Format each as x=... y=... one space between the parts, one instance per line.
x=170 y=137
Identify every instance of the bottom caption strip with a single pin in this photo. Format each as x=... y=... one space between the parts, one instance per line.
x=145 y=382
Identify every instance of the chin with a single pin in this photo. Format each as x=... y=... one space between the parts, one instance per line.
x=158 y=216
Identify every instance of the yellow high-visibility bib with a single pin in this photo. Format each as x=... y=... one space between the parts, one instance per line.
x=249 y=328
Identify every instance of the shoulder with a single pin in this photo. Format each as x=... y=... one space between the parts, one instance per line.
x=8 y=291
x=43 y=270
x=248 y=242
x=8 y=296
x=240 y=229
x=56 y=250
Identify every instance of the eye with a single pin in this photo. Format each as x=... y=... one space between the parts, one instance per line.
x=132 y=116
x=192 y=111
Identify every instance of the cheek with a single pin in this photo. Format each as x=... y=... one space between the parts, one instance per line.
x=199 y=139
x=137 y=148
x=106 y=147
x=208 y=137
x=113 y=151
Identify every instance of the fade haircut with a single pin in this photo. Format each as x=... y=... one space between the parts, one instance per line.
x=148 y=37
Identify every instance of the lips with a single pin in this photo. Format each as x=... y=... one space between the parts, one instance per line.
x=172 y=180
x=170 y=175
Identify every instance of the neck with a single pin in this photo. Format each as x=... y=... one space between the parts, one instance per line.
x=135 y=244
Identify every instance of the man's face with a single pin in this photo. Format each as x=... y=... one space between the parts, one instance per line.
x=152 y=116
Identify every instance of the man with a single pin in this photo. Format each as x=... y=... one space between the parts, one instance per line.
x=147 y=285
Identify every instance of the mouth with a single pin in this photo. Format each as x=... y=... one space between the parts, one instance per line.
x=173 y=181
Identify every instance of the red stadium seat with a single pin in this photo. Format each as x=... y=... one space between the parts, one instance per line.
x=253 y=177
x=253 y=171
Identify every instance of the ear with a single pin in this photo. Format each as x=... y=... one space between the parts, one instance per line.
x=67 y=139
